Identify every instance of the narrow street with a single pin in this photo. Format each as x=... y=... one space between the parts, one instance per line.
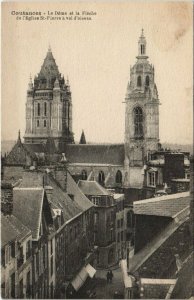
x=106 y=290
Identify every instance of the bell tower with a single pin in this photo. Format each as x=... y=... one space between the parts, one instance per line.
x=49 y=106
x=141 y=117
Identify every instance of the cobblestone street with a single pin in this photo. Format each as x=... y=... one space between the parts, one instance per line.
x=106 y=290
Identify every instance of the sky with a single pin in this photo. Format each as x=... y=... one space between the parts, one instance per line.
x=96 y=55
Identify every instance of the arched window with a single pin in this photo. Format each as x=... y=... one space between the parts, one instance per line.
x=84 y=175
x=101 y=177
x=147 y=80
x=45 y=108
x=138 y=122
x=139 y=81
x=118 y=177
x=38 y=109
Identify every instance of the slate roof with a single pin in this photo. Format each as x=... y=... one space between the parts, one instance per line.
x=156 y=288
x=17 y=155
x=184 y=288
x=92 y=188
x=12 y=229
x=60 y=199
x=167 y=206
x=27 y=206
x=112 y=154
x=79 y=196
x=158 y=257
x=35 y=148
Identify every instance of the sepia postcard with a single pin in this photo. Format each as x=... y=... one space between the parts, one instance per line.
x=97 y=150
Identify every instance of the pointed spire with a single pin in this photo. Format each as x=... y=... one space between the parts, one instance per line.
x=56 y=84
x=67 y=80
x=30 y=84
x=19 y=137
x=142 y=45
x=49 y=48
x=82 y=138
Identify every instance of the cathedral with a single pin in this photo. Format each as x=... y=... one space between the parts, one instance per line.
x=135 y=167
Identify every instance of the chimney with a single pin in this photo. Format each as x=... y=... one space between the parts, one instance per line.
x=6 y=198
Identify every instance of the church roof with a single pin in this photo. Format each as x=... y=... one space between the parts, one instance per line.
x=112 y=154
x=35 y=148
x=49 y=67
x=48 y=74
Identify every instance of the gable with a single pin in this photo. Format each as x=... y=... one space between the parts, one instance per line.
x=19 y=156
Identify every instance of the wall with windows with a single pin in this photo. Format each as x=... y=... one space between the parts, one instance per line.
x=16 y=271
x=107 y=175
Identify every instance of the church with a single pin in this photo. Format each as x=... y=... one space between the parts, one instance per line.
x=136 y=167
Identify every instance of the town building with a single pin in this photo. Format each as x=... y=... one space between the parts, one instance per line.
x=86 y=199
x=16 y=250
x=104 y=221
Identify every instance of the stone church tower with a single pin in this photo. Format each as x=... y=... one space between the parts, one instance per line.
x=49 y=106
x=141 y=118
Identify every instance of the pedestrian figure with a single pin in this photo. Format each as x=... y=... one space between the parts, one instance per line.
x=108 y=276
x=111 y=276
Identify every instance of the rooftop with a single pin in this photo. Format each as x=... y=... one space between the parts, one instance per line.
x=12 y=229
x=167 y=205
x=92 y=188
x=95 y=153
x=59 y=199
x=27 y=206
x=156 y=288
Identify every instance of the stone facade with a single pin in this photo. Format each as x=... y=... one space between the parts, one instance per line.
x=141 y=117
x=49 y=106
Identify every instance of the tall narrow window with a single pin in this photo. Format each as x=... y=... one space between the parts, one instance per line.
x=101 y=177
x=141 y=49
x=44 y=123
x=38 y=109
x=147 y=80
x=138 y=122
x=139 y=81
x=38 y=123
x=45 y=108
x=118 y=177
